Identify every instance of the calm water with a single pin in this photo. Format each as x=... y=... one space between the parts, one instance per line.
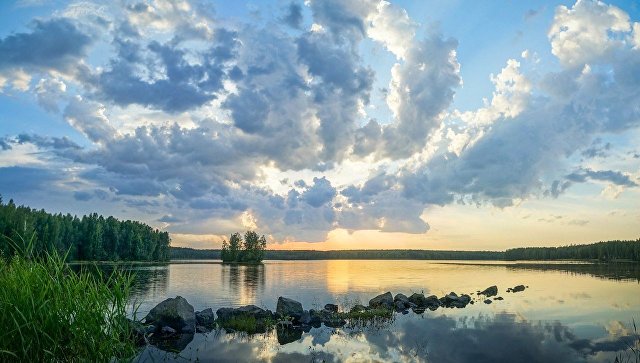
x=569 y=313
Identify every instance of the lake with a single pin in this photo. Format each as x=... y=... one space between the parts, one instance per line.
x=570 y=312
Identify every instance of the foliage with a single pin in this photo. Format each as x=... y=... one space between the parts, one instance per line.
x=91 y=237
x=50 y=313
x=251 y=249
x=247 y=323
x=603 y=251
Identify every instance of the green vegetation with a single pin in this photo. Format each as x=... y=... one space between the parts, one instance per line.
x=247 y=323
x=368 y=314
x=248 y=250
x=91 y=237
x=50 y=313
x=603 y=251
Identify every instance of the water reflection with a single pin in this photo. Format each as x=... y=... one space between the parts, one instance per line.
x=613 y=271
x=244 y=281
x=503 y=337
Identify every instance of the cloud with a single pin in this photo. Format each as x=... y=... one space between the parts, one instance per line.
x=320 y=193
x=582 y=34
x=293 y=16
x=614 y=177
x=54 y=44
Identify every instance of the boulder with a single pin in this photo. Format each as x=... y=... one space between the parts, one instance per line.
x=289 y=307
x=432 y=302
x=516 y=288
x=331 y=307
x=205 y=317
x=490 y=291
x=417 y=299
x=167 y=330
x=383 y=301
x=452 y=300
x=175 y=313
x=247 y=310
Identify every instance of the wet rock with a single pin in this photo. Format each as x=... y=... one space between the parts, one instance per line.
x=175 y=313
x=452 y=300
x=244 y=311
x=288 y=335
x=487 y=301
x=383 y=301
x=432 y=302
x=331 y=307
x=289 y=307
x=205 y=317
x=417 y=299
x=167 y=330
x=490 y=291
x=498 y=298
x=516 y=288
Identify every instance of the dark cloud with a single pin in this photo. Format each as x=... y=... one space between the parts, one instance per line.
x=293 y=16
x=54 y=44
x=611 y=176
x=320 y=193
x=16 y=180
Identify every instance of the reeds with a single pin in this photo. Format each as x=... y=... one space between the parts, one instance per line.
x=50 y=313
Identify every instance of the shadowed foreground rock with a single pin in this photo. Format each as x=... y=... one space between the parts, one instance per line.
x=289 y=307
x=383 y=301
x=175 y=313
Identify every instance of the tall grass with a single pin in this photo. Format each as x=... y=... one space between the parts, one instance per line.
x=50 y=313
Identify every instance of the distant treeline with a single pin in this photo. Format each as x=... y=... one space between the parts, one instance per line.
x=604 y=251
x=91 y=237
x=181 y=253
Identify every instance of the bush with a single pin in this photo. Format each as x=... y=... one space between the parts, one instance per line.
x=249 y=250
x=50 y=313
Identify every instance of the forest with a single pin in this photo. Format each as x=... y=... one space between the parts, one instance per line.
x=603 y=251
x=92 y=237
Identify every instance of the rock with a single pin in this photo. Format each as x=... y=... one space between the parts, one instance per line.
x=383 y=301
x=401 y=302
x=334 y=321
x=289 y=307
x=205 y=317
x=138 y=331
x=417 y=299
x=331 y=307
x=487 y=301
x=498 y=298
x=418 y=310
x=172 y=343
x=248 y=310
x=518 y=288
x=432 y=302
x=399 y=306
x=167 y=330
x=201 y=329
x=490 y=291
x=315 y=318
x=452 y=300
x=358 y=309
x=305 y=318
x=175 y=313
x=288 y=335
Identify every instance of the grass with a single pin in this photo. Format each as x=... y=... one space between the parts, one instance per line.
x=247 y=323
x=50 y=313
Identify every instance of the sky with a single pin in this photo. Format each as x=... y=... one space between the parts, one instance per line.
x=333 y=124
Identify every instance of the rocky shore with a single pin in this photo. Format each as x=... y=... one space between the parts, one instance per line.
x=171 y=324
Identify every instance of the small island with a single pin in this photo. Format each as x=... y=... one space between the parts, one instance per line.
x=249 y=250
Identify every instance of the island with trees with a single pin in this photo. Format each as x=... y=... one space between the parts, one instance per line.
x=247 y=250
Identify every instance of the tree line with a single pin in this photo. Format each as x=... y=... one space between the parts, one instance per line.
x=92 y=237
x=603 y=251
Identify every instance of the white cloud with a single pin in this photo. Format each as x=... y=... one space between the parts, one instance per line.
x=582 y=34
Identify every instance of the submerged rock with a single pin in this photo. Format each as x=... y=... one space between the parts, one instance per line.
x=205 y=317
x=384 y=301
x=488 y=301
x=289 y=307
x=175 y=313
x=489 y=291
